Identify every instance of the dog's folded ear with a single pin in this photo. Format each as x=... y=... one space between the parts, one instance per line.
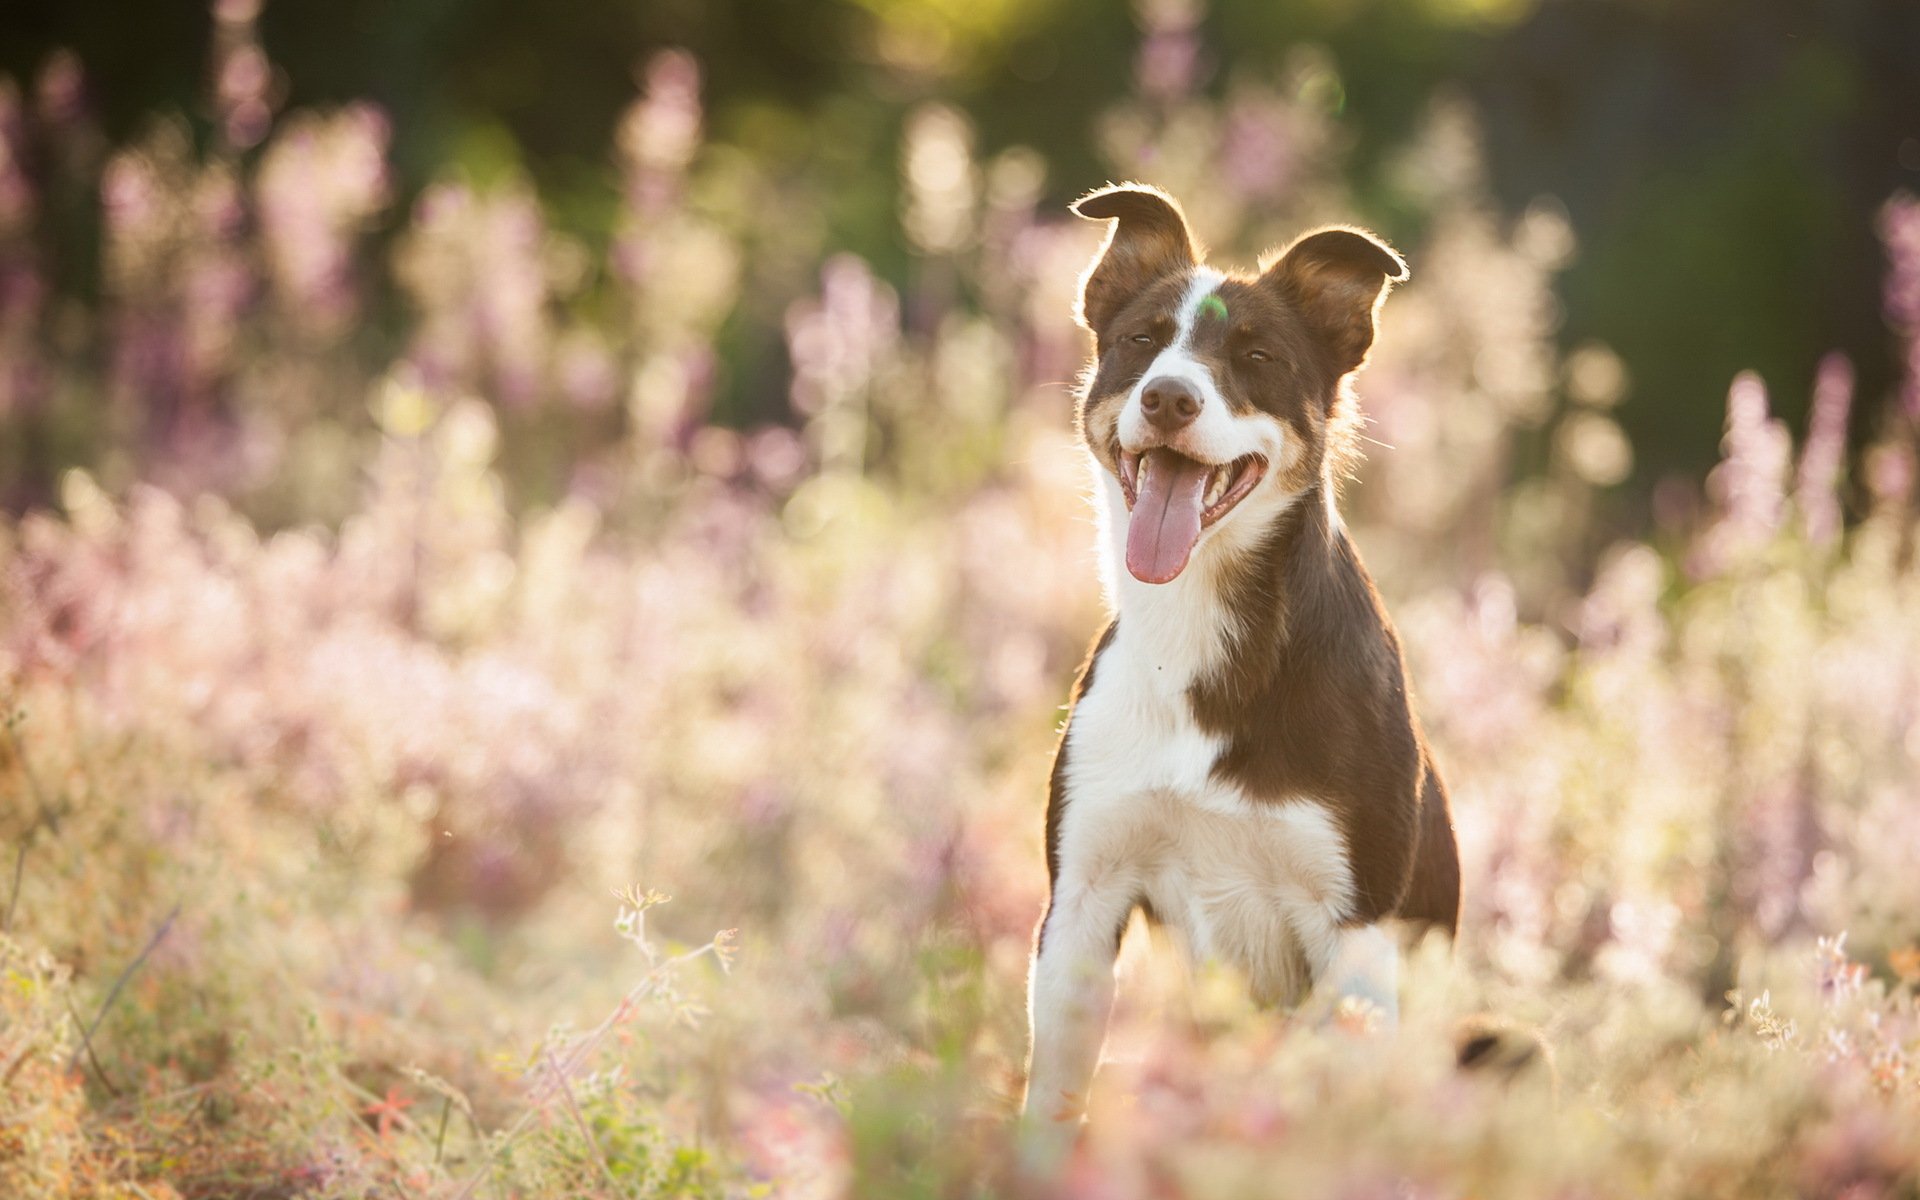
x=1149 y=239
x=1336 y=278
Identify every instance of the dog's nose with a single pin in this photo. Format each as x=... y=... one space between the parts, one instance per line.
x=1169 y=404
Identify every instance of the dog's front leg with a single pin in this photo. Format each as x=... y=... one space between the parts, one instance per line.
x=1362 y=962
x=1069 y=999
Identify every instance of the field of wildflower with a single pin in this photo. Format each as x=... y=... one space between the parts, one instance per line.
x=446 y=754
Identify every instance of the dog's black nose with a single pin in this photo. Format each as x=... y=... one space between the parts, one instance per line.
x=1169 y=404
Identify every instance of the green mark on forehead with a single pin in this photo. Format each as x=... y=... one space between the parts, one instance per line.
x=1213 y=306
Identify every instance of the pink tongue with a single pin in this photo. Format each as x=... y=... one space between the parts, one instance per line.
x=1166 y=515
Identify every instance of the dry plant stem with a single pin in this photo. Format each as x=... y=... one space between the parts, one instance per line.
x=586 y=1045
x=113 y=994
x=46 y=817
x=19 y=753
x=86 y=1044
x=580 y=1122
x=19 y=1060
x=19 y=869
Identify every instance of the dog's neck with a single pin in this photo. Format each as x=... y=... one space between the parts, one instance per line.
x=1246 y=595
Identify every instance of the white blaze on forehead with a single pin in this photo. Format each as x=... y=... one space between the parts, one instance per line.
x=1217 y=435
x=1177 y=360
x=1205 y=282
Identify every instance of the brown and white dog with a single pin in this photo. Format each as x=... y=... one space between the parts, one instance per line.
x=1241 y=761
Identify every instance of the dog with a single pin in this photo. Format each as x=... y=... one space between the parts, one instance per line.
x=1241 y=761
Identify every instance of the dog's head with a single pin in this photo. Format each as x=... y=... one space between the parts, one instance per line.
x=1210 y=396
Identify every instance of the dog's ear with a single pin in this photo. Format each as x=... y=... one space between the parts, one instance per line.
x=1336 y=278
x=1149 y=239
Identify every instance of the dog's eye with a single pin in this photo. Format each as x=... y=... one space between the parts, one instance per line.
x=1145 y=339
x=1258 y=355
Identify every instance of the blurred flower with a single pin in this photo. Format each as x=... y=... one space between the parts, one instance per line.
x=1815 y=488
x=777 y=457
x=1839 y=976
x=61 y=89
x=1641 y=938
x=1595 y=376
x=586 y=370
x=476 y=266
x=840 y=344
x=1900 y=231
x=242 y=75
x=941 y=181
x=1778 y=842
x=1748 y=487
x=1890 y=472
x=16 y=191
x=1595 y=448
x=321 y=181
x=1168 y=65
x=178 y=277
x=1260 y=145
x=23 y=287
x=659 y=135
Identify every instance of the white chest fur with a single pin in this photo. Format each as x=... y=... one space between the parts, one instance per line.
x=1261 y=883
x=1257 y=883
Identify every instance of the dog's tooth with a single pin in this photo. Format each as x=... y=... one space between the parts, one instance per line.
x=1140 y=468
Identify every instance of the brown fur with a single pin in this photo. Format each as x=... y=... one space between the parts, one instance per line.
x=1149 y=239
x=1313 y=701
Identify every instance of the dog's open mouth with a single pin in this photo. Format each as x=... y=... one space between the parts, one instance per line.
x=1172 y=498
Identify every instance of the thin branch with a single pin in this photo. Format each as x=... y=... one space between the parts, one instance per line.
x=45 y=817
x=19 y=1060
x=19 y=869
x=86 y=1044
x=19 y=752
x=584 y=1046
x=580 y=1122
x=86 y=1036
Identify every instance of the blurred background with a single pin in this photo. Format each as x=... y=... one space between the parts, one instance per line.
x=469 y=469
x=1718 y=162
